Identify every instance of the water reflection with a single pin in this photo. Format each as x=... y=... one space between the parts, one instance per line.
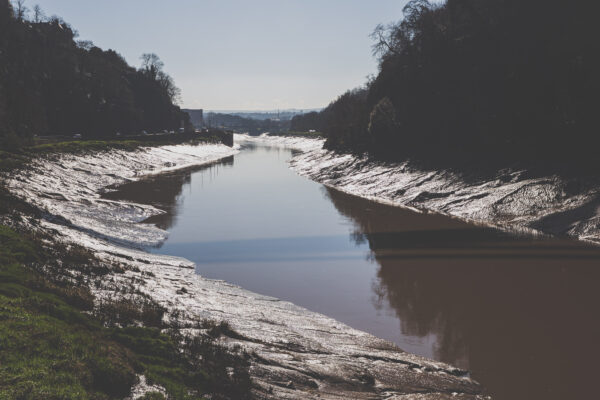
x=522 y=314
x=163 y=191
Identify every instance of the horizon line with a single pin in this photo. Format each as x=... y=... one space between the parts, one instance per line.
x=240 y=110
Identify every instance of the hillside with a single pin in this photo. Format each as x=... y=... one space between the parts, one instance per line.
x=52 y=84
x=469 y=83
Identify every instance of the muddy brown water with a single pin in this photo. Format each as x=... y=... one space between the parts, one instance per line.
x=521 y=313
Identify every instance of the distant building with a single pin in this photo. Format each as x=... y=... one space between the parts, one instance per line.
x=196 y=117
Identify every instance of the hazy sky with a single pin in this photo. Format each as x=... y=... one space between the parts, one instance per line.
x=240 y=54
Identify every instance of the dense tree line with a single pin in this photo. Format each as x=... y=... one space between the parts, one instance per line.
x=51 y=84
x=306 y=122
x=495 y=81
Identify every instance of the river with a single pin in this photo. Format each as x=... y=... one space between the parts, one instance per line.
x=520 y=313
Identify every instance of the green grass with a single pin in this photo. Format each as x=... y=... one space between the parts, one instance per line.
x=50 y=349
x=11 y=161
x=54 y=344
x=18 y=158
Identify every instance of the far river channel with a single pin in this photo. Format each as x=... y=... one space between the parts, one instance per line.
x=522 y=314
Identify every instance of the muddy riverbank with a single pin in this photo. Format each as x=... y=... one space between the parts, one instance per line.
x=503 y=303
x=296 y=353
x=511 y=199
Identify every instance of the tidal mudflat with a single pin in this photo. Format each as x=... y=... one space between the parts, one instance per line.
x=294 y=352
x=506 y=306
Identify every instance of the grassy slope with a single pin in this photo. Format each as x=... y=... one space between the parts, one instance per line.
x=49 y=349
x=53 y=345
x=10 y=160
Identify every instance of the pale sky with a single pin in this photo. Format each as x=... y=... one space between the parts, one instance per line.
x=240 y=54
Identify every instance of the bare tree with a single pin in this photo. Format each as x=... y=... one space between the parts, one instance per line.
x=384 y=43
x=85 y=44
x=414 y=9
x=21 y=10
x=153 y=67
x=38 y=14
x=151 y=64
x=392 y=39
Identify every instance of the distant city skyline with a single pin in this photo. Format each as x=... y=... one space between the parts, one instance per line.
x=238 y=55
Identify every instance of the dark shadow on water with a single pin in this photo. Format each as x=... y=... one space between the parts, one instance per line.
x=163 y=191
x=522 y=314
x=289 y=249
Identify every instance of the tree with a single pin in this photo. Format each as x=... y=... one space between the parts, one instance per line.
x=384 y=42
x=306 y=122
x=168 y=84
x=479 y=81
x=85 y=44
x=151 y=64
x=38 y=14
x=52 y=84
x=391 y=40
x=21 y=10
x=382 y=124
x=345 y=121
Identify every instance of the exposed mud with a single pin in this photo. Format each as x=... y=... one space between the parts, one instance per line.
x=510 y=199
x=296 y=354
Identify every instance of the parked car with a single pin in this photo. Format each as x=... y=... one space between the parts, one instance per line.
x=77 y=136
